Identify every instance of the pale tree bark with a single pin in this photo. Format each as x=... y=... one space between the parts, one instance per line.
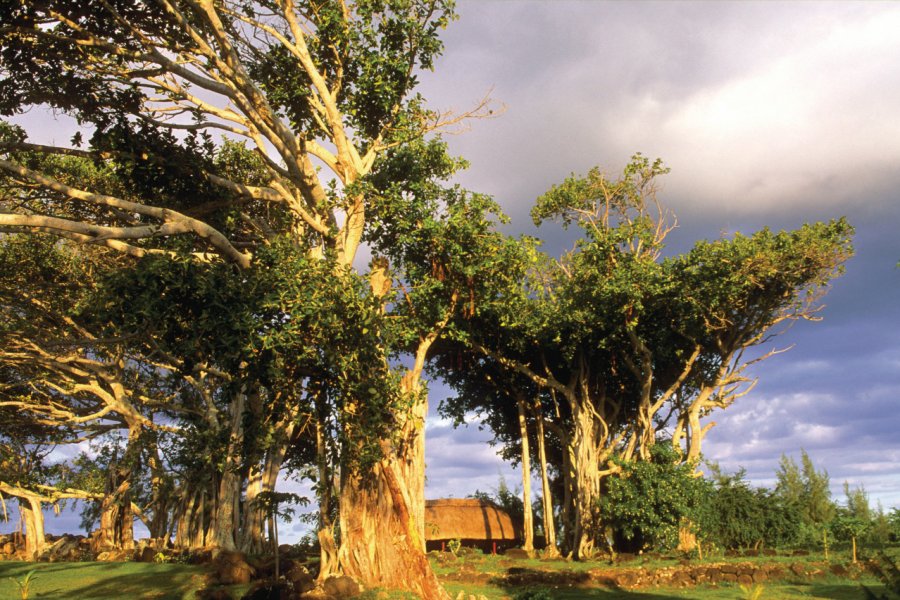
x=264 y=480
x=585 y=473
x=33 y=517
x=528 y=520
x=551 y=549
x=329 y=563
x=382 y=513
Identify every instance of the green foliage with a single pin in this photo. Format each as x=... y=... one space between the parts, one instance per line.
x=738 y=516
x=807 y=490
x=888 y=573
x=649 y=501
x=454 y=546
x=534 y=594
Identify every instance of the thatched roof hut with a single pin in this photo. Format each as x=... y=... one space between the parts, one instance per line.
x=469 y=520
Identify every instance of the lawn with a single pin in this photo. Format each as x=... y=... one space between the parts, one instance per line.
x=102 y=580
x=478 y=575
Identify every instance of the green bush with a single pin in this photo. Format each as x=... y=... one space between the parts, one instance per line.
x=649 y=501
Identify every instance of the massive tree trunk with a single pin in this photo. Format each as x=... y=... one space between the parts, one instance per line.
x=382 y=517
x=381 y=542
x=527 y=520
x=550 y=548
x=585 y=475
x=116 y=516
x=191 y=527
x=33 y=517
x=382 y=512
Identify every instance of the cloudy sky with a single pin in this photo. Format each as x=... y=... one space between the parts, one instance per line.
x=767 y=114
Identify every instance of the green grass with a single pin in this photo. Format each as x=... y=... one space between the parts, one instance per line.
x=829 y=587
x=148 y=581
x=102 y=580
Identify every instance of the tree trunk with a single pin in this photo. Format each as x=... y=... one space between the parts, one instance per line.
x=586 y=477
x=33 y=516
x=329 y=565
x=160 y=490
x=264 y=480
x=116 y=517
x=381 y=545
x=550 y=548
x=190 y=529
x=528 y=520
x=223 y=527
x=382 y=513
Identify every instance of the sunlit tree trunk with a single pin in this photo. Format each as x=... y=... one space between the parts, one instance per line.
x=528 y=520
x=586 y=477
x=116 y=517
x=546 y=496
x=33 y=517
x=329 y=564
x=382 y=512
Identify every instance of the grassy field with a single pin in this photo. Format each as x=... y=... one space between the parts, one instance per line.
x=478 y=575
x=102 y=580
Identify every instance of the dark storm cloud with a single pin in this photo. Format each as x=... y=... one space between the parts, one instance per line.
x=769 y=115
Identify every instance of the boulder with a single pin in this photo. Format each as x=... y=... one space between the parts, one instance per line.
x=299 y=577
x=232 y=568
x=341 y=587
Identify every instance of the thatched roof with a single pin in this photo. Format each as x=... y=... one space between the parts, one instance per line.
x=467 y=519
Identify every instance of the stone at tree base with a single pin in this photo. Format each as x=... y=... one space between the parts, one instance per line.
x=232 y=568
x=297 y=574
x=516 y=553
x=146 y=555
x=113 y=556
x=341 y=587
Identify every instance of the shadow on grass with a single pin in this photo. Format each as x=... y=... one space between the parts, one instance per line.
x=566 y=585
x=102 y=581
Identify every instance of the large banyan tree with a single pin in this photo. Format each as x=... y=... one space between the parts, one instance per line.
x=613 y=346
x=241 y=154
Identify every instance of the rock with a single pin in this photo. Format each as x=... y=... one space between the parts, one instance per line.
x=299 y=577
x=113 y=556
x=232 y=568
x=341 y=587
x=65 y=547
x=798 y=569
x=516 y=553
x=8 y=548
x=839 y=570
x=146 y=555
